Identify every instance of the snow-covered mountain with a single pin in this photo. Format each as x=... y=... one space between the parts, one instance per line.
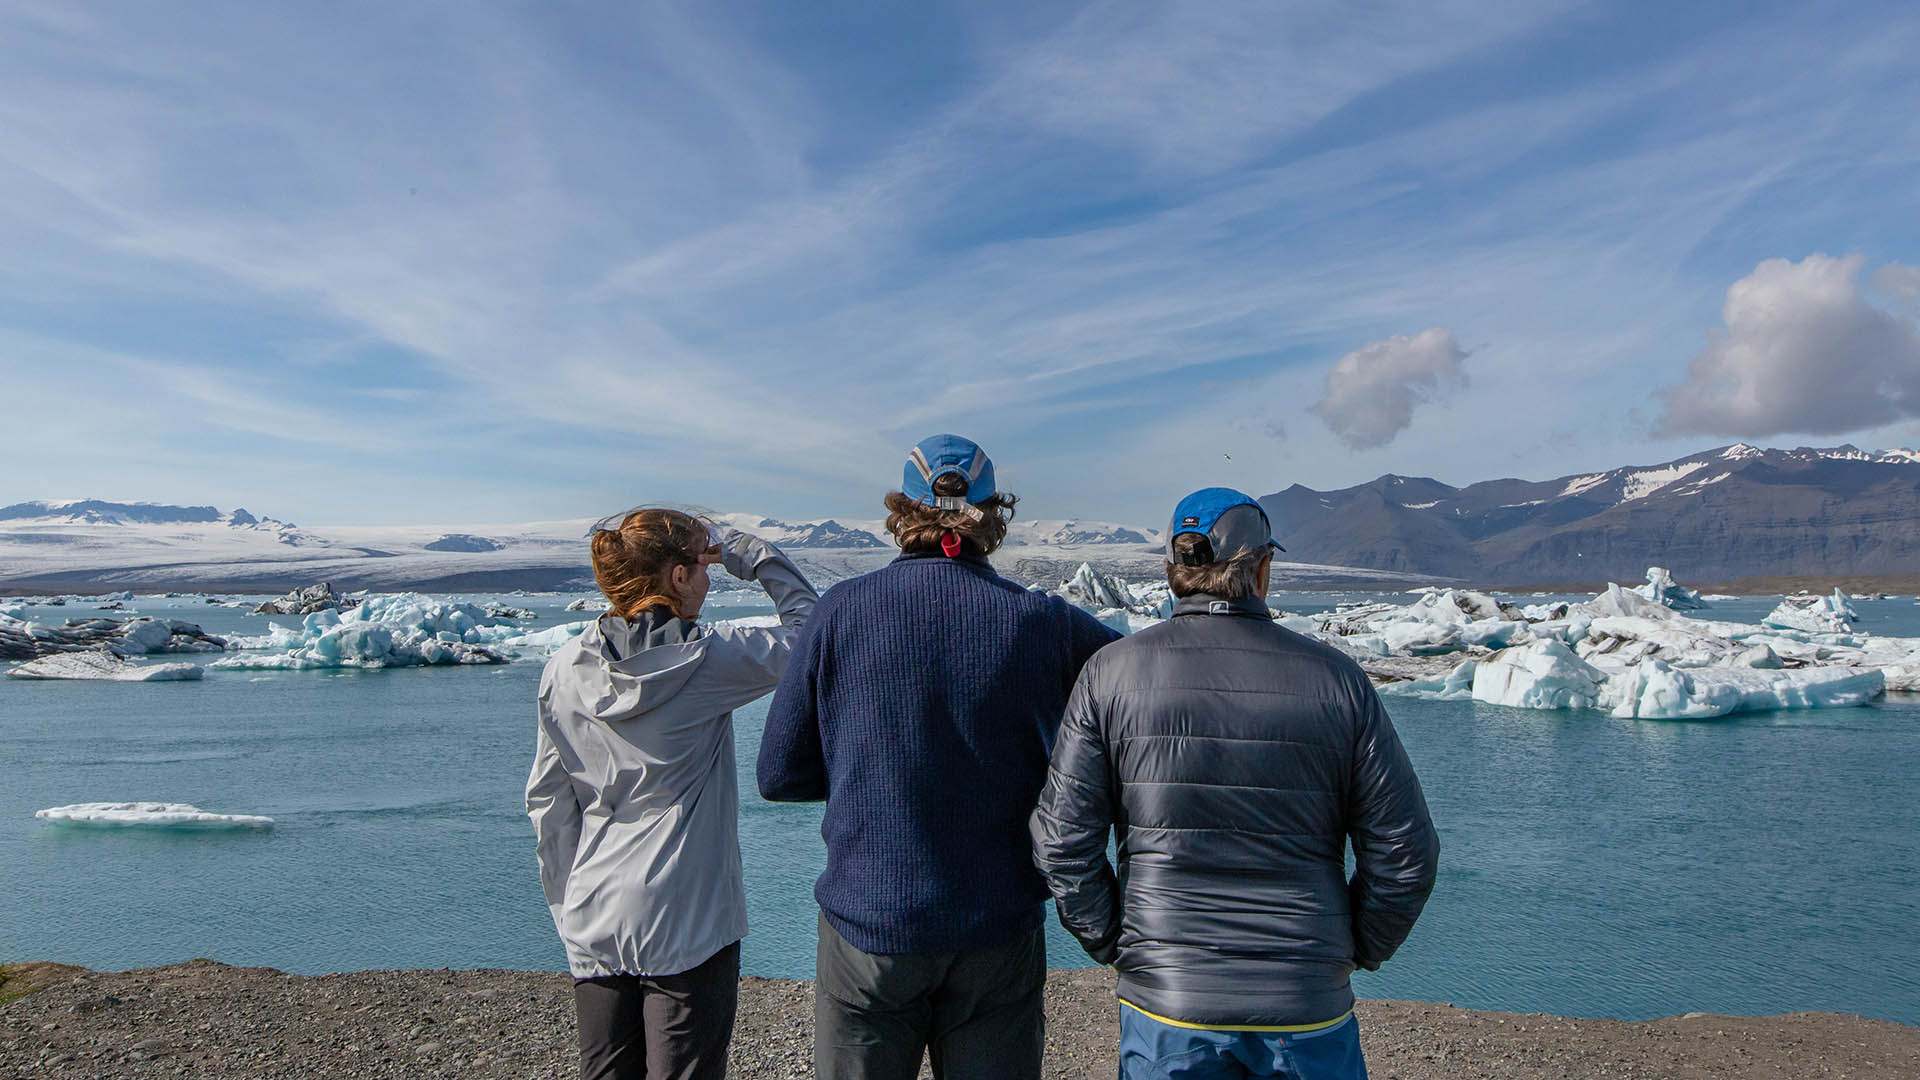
x=1736 y=511
x=1076 y=532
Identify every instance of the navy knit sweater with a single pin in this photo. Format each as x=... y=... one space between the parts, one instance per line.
x=921 y=703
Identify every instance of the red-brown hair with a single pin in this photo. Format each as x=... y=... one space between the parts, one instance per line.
x=633 y=557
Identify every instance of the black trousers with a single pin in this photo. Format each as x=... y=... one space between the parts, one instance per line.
x=976 y=1013
x=664 y=1027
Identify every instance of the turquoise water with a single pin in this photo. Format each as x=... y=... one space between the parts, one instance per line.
x=1591 y=866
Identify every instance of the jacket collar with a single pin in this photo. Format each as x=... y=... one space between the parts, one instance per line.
x=976 y=561
x=1205 y=604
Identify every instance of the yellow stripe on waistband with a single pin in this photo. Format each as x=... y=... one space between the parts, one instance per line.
x=1287 y=1028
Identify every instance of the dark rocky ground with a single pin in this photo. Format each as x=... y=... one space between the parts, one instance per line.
x=209 y=1020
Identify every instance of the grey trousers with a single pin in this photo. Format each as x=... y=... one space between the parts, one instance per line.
x=976 y=1013
x=659 y=1027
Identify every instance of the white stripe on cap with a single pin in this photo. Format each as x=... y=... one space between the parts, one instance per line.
x=979 y=466
x=919 y=461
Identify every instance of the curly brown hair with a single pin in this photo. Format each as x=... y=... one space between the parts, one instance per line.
x=633 y=557
x=917 y=527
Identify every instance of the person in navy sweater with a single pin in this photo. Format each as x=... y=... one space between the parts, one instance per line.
x=921 y=703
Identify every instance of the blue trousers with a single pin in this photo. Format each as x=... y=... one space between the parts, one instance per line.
x=1151 y=1050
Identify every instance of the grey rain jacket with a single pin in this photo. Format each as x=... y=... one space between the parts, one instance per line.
x=1233 y=760
x=633 y=794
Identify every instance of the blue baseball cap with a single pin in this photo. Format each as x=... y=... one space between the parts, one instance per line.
x=936 y=456
x=1231 y=521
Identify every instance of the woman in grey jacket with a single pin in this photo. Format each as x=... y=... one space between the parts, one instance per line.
x=634 y=796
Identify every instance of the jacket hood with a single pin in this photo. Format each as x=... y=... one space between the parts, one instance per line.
x=626 y=668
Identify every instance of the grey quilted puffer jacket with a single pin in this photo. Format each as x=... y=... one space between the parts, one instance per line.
x=1233 y=760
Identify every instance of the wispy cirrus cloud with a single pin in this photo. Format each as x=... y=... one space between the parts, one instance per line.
x=737 y=266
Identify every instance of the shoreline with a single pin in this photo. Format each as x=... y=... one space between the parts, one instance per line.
x=207 y=1019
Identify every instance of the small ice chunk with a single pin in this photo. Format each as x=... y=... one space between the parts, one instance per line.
x=148 y=815
x=1661 y=589
x=1813 y=614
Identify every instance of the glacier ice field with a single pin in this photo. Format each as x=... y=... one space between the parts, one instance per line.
x=1752 y=850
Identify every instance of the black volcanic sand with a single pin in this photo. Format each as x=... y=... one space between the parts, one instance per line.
x=204 y=1019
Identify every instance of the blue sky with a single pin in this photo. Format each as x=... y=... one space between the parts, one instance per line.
x=486 y=262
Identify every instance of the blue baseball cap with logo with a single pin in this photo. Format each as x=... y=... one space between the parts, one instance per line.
x=1231 y=523
x=936 y=456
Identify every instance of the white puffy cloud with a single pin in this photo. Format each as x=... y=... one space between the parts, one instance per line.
x=1803 y=351
x=1372 y=391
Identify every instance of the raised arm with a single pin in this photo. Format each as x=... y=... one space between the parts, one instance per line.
x=555 y=812
x=745 y=662
x=1396 y=851
x=1069 y=830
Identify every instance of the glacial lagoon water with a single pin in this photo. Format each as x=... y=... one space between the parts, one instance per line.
x=1591 y=866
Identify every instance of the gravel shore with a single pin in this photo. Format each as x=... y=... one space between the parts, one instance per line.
x=209 y=1020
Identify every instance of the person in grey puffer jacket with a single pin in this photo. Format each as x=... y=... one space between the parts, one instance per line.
x=1234 y=760
x=634 y=794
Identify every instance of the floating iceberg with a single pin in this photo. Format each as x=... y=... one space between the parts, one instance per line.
x=391 y=630
x=21 y=640
x=306 y=601
x=1813 y=614
x=395 y=630
x=588 y=603
x=1661 y=590
x=1628 y=651
x=1655 y=691
x=1543 y=675
x=104 y=667
x=148 y=815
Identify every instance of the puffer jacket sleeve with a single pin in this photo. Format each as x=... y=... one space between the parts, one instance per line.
x=555 y=812
x=1396 y=850
x=1069 y=829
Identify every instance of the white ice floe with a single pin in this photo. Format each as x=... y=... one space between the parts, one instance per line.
x=1656 y=691
x=148 y=815
x=1813 y=614
x=103 y=666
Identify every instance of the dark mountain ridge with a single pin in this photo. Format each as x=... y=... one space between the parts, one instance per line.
x=1733 y=512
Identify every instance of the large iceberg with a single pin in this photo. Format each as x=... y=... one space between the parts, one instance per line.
x=1631 y=652
x=148 y=815
x=1656 y=691
x=26 y=640
x=389 y=630
x=103 y=666
x=1542 y=675
x=395 y=630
